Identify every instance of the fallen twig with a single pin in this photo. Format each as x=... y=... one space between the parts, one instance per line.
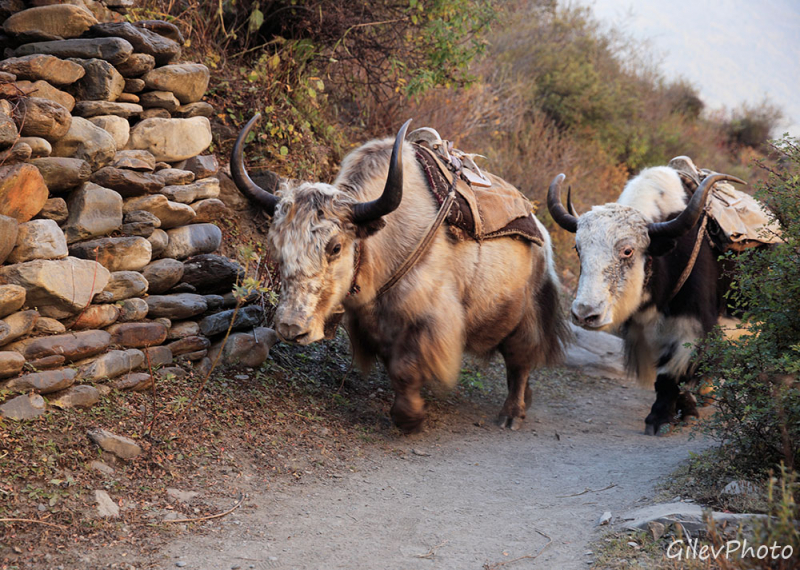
x=432 y=552
x=586 y=490
x=218 y=515
x=496 y=565
x=34 y=521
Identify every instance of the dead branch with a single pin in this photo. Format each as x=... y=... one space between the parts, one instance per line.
x=218 y=515
x=586 y=490
x=497 y=565
x=58 y=526
x=432 y=552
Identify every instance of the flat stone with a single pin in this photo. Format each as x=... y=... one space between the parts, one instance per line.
x=112 y=50
x=171 y=214
x=25 y=407
x=202 y=166
x=596 y=353
x=133 y=85
x=12 y=298
x=134 y=382
x=162 y=28
x=142 y=216
x=134 y=309
x=163 y=50
x=128 y=183
x=11 y=363
x=106 y=507
x=163 y=275
x=43 y=118
x=102 y=81
x=158 y=241
x=172 y=140
x=72 y=346
x=39 y=147
x=246 y=348
x=43 y=382
x=157 y=356
x=741 y=487
x=45 y=325
x=8 y=131
x=110 y=365
x=198 y=109
x=183 y=329
x=211 y=273
x=135 y=160
x=246 y=318
x=194 y=356
x=47 y=362
x=175 y=176
x=39 y=239
x=209 y=210
x=230 y=195
x=188 y=345
x=188 y=193
x=188 y=81
x=56 y=21
x=136 y=65
x=90 y=109
x=164 y=321
x=20 y=152
x=122 y=447
x=82 y=396
x=60 y=173
x=192 y=240
x=160 y=99
x=215 y=302
x=180 y=306
x=688 y=515
x=54 y=70
x=101 y=467
x=93 y=211
x=118 y=127
x=169 y=372
x=17 y=325
x=86 y=141
x=155 y=113
x=115 y=254
x=8 y=236
x=138 y=335
x=54 y=209
x=22 y=192
x=44 y=90
x=94 y=317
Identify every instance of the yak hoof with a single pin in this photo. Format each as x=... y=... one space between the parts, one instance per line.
x=510 y=423
x=407 y=421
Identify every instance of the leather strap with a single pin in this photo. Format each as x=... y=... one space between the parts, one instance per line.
x=693 y=259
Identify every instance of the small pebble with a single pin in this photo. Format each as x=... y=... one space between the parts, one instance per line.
x=180 y=564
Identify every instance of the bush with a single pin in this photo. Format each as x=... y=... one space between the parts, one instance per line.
x=756 y=376
x=752 y=126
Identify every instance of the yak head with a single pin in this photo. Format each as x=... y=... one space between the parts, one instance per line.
x=314 y=238
x=616 y=243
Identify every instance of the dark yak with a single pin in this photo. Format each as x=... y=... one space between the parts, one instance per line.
x=338 y=244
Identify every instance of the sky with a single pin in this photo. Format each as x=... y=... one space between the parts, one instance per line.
x=733 y=51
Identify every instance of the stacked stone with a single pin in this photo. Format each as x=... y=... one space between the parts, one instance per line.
x=107 y=240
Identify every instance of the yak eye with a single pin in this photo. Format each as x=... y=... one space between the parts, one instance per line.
x=626 y=252
x=334 y=248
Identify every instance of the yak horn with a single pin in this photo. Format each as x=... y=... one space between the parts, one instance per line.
x=563 y=218
x=393 y=191
x=570 y=207
x=242 y=180
x=687 y=219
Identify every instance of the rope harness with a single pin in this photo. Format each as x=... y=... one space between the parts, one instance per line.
x=701 y=233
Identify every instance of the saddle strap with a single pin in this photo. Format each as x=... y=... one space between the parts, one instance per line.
x=688 y=269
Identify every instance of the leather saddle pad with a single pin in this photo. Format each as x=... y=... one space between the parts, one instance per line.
x=480 y=213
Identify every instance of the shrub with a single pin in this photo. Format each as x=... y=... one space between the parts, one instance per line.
x=752 y=126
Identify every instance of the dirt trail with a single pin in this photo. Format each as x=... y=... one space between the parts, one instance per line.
x=466 y=495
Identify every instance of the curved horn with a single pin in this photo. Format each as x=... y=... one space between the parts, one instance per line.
x=242 y=180
x=563 y=218
x=570 y=207
x=392 y=192
x=688 y=218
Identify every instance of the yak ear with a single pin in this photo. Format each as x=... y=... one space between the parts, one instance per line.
x=661 y=246
x=366 y=229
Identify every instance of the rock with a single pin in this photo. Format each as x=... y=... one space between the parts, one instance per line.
x=8 y=131
x=60 y=288
x=157 y=356
x=657 y=530
x=122 y=447
x=52 y=69
x=741 y=487
x=9 y=228
x=81 y=396
x=138 y=335
x=94 y=317
x=688 y=516
x=43 y=382
x=211 y=273
x=128 y=183
x=132 y=310
x=246 y=318
x=172 y=140
x=112 y=50
x=54 y=209
x=47 y=362
x=188 y=193
x=50 y=22
x=174 y=176
x=90 y=109
x=136 y=65
x=135 y=382
x=26 y=407
x=93 y=211
x=604 y=519
x=72 y=346
x=142 y=217
x=180 y=306
x=163 y=50
x=160 y=99
x=20 y=152
x=22 y=192
x=86 y=141
x=164 y=321
x=198 y=109
x=45 y=325
x=17 y=325
x=202 y=166
x=169 y=372
x=101 y=467
x=188 y=345
x=39 y=146
x=118 y=127
x=192 y=240
x=115 y=254
x=188 y=81
x=596 y=353
x=250 y=348
x=102 y=81
x=158 y=241
x=128 y=98
x=110 y=365
x=43 y=118
x=44 y=90
x=155 y=113
x=11 y=363
x=183 y=329
x=170 y=214
x=209 y=210
x=162 y=28
x=163 y=275
x=39 y=239
x=12 y=298
x=61 y=173
x=194 y=356
x=134 y=85
x=135 y=160
x=214 y=302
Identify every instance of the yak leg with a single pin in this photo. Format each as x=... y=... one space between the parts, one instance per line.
x=687 y=405
x=665 y=407
x=520 y=396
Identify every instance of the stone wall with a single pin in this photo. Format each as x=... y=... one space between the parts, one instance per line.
x=107 y=210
